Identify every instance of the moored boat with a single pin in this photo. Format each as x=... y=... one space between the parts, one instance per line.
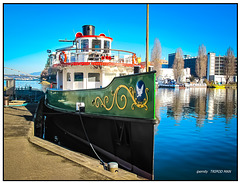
x=167 y=83
x=218 y=86
x=100 y=103
x=198 y=85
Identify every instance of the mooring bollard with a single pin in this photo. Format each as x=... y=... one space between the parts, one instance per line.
x=6 y=100
x=113 y=167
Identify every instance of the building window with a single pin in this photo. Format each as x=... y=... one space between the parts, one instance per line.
x=93 y=77
x=68 y=76
x=84 y=45
x=96 y=44
x=106 y=46
x=78 y=76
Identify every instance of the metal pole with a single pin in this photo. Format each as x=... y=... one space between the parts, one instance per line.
x=147 y=38
x=118 y=56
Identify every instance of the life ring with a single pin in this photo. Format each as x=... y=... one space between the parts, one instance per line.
x=63 y=57
x=102 y=57
x=134 y=59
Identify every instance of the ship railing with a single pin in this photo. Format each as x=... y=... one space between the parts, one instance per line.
x=96 y=55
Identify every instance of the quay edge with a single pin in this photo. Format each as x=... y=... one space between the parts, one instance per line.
x=81 y=159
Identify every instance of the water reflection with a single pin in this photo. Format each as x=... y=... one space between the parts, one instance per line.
x=201 y=103
x=197 y=131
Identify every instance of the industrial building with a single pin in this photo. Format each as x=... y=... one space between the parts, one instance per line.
x=215 y=69
x=167 y=73
x=171 y=58
x=189 y=62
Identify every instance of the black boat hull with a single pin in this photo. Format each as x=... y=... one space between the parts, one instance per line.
x=127 y=141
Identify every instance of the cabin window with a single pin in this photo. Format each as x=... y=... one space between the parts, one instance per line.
x=93 y=77
x=106 y=46
x=84 y=45
x=53 y=56
x=68 y=76
x=73 y=55
x=96 y=44
x=78 y=44
x=78 y=76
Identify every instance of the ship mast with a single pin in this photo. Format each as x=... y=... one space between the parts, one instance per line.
x=147 y=39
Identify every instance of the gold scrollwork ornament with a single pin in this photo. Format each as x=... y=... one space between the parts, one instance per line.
x=103 y=103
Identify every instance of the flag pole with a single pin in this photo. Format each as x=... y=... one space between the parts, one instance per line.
x=147 y=39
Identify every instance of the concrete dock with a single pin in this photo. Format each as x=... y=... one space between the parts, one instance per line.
x=27 y=157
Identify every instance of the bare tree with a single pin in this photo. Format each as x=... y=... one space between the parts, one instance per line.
x=229 y=65
x=44 y=75
x=156 y=56
x=201 y=62
x=47 y=65
x=177 y=106
x=178 y=65
x=200 y=108
x=229 y=103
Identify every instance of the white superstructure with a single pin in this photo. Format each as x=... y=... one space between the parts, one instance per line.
x=90 y=62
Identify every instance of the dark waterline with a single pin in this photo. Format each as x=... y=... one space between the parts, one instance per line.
x=197 y=135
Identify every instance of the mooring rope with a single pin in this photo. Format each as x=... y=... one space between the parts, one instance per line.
x=101 y=161
x=79 y=114
x=84 y=130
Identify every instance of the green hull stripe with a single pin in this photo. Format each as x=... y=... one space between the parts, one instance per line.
x=126 y=96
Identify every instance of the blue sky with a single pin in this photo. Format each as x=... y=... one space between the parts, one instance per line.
x=31 y=29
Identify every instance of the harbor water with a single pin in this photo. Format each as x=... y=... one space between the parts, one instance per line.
x=21 y=84
x=196 y=138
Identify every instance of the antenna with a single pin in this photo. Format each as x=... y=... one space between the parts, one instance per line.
x=74 y=32
x=109 y=33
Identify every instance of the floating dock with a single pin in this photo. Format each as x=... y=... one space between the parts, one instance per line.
x=27 y=157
